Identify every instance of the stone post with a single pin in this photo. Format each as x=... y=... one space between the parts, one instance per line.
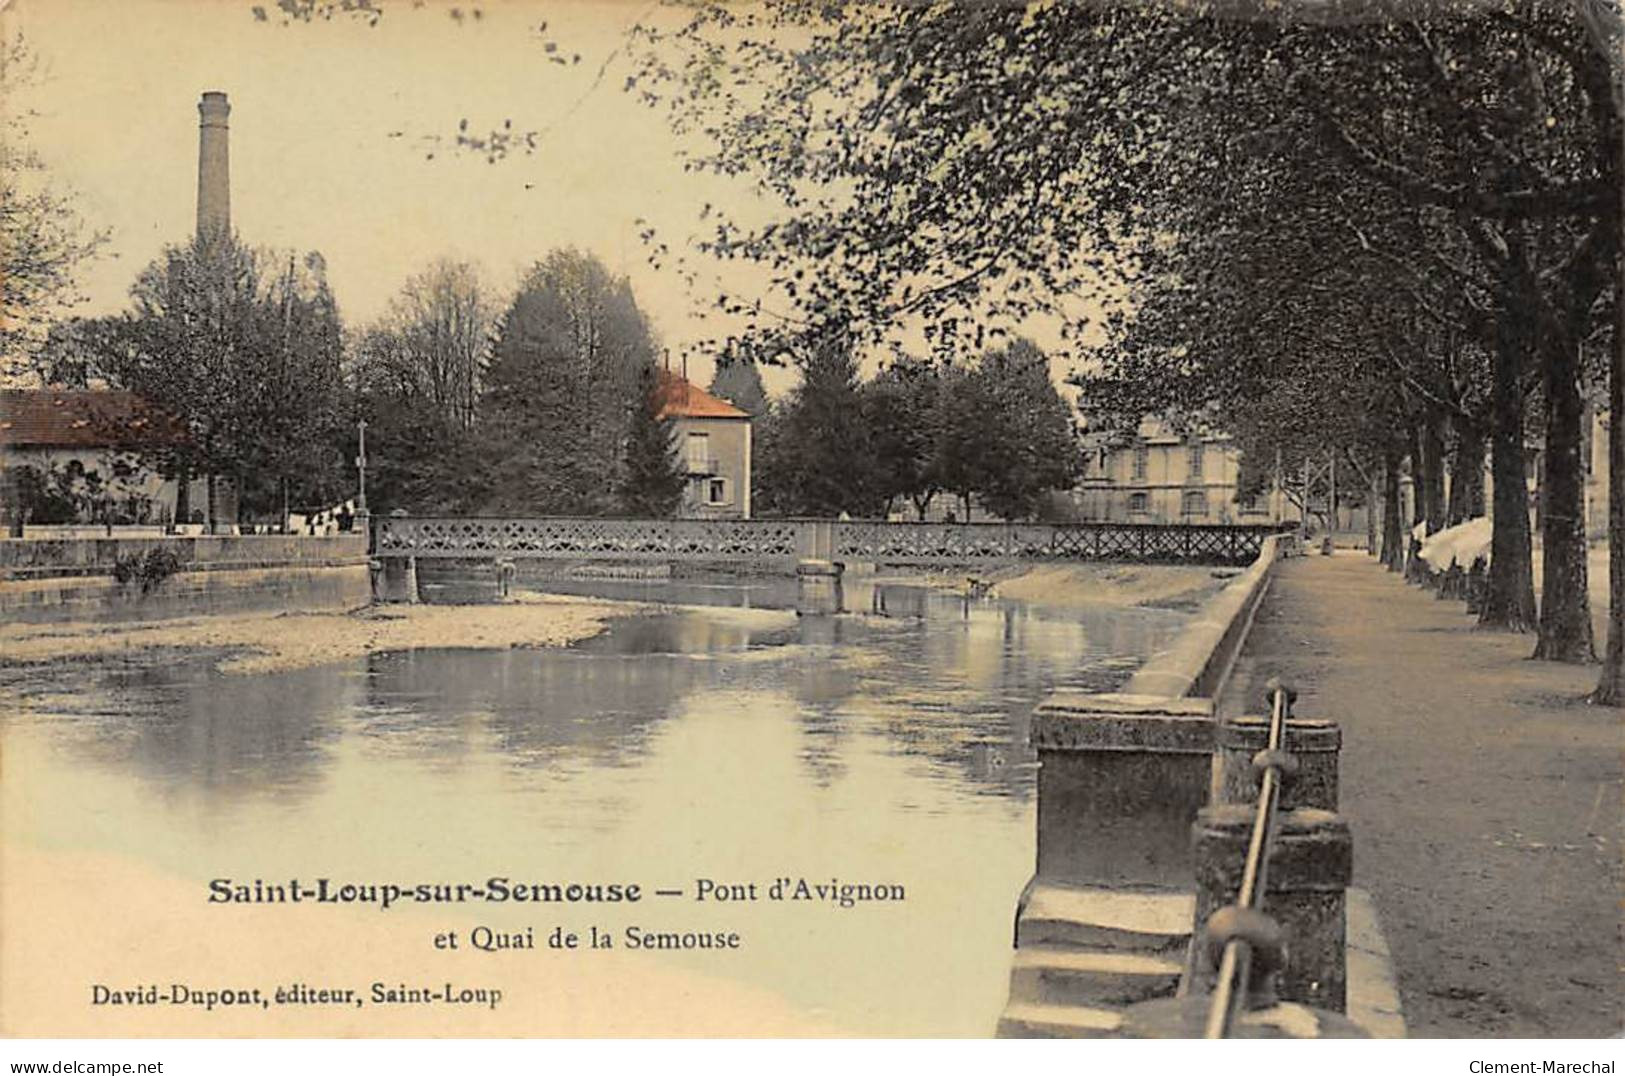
x=1120 y=778
x=1315 y=745
x=1310 y=865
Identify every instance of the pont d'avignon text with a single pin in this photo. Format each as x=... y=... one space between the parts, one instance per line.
x=501 y=889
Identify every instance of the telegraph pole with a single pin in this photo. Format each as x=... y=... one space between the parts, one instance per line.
x=361 y=469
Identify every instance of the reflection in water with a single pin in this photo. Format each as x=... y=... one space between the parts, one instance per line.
x=734 y=740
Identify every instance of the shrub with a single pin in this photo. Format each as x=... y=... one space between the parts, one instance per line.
x=150 y=570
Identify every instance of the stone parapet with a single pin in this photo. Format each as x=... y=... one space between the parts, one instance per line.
x=1199 y=661
x=1119 y=780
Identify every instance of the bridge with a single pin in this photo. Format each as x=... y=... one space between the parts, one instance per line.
x=784 y=542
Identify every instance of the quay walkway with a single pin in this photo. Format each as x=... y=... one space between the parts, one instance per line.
x=1485 y=802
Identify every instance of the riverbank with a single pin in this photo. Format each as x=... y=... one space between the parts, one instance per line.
x=1073 y=586
x=260 y=642
x=1482 y=795
x=271 y=642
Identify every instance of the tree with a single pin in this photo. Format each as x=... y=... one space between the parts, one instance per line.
x=419 y=373
x=298 y=410
x=563 y=384
x=1606 y=25
x=244 y=356
x=900 y=407
x=441 y=326
x=43 y=240
x=188 y=348
x=1004 y=435
x=653 y=478
x=819 y=459
x=740 y=383
x=37 y=495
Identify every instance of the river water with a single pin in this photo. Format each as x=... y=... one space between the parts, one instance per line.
x=723 y=742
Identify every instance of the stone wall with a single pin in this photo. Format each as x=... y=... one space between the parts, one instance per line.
x=72 y=579
x=1199 y=661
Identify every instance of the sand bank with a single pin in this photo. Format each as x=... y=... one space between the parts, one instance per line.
x=267 y=642
x=1173 y=586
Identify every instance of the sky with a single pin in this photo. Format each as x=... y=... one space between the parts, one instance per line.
x=342 y=142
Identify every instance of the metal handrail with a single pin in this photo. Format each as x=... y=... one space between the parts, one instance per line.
x=1235 y=965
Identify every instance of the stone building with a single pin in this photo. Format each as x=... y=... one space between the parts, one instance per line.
x=82 y=444
x=1164 y=476
x=713 y=444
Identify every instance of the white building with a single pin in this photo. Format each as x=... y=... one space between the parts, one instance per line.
x=713 y=439
x=81 y=440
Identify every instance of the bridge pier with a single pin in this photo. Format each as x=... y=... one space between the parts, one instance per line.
x=397 y=580
x=818 y=588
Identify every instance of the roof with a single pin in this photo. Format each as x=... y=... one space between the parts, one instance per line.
x=1158 y=430
x=675 y=397
x=82 y=418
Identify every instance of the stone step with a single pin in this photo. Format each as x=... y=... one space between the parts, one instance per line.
x=1026 y=1020
x=1055 y=975
x=1117 y=919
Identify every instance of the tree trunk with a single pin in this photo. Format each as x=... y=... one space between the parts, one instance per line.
x=212 y=504
x=1466 y=475
x=1431 y=492
x=1565 y=606
x=1611 y=687
x=1393 y=529
x=1371 y=496
x=1509 y=594
x=1415 y=570
x=183 y=496
x=1418 y=505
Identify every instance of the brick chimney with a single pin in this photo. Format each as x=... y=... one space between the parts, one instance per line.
x=213 y=165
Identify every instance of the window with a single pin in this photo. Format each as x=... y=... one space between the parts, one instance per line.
x=1253 y=505
x=697 y=453
x=1139 y=502
x=716 y=491
x=1194 y=460
x=1194 y=503
x=1142 y=456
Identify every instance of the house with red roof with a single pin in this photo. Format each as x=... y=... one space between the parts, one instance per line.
x=84 y=445
x=713 y=444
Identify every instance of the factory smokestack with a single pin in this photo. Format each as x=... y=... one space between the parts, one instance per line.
x=213 y=165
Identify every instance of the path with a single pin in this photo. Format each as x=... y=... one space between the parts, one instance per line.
x=1485 y=802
